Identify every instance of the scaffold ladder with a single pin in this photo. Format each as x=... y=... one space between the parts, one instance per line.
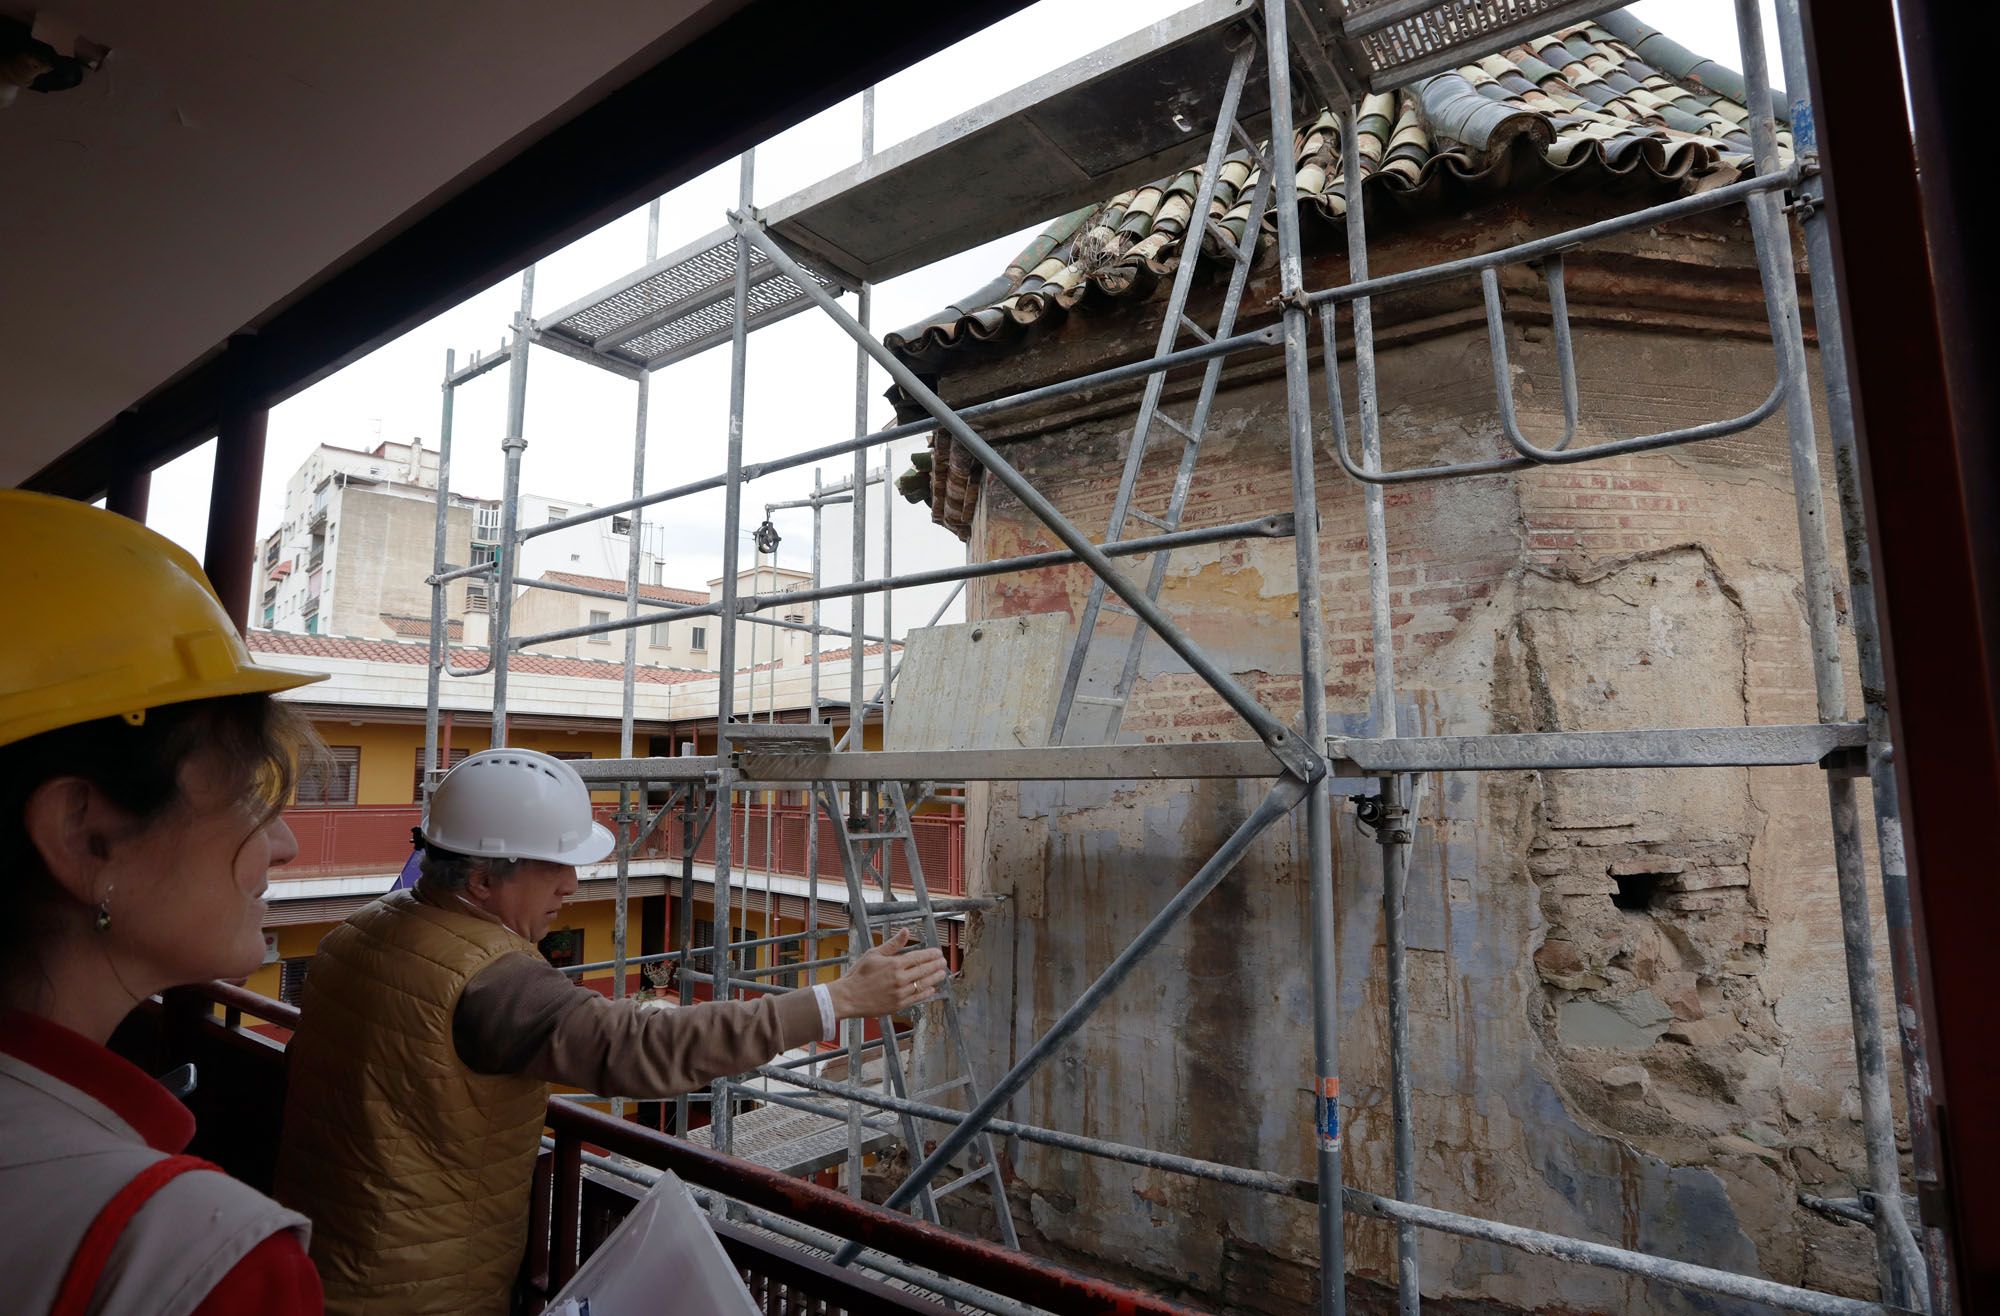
x=878 y=822
x=1108 y=707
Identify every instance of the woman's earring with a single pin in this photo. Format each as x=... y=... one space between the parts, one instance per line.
x=104 y=911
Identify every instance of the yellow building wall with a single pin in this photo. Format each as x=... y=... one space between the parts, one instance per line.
x=388 y=759
x=293 y=942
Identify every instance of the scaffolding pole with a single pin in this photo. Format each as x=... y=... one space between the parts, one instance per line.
x=864 y=297
x=1900 y=1261
x=628 y=832
x=1886 y=796
x=440 y=625
x=1283 y=169
x=511 y=446
x=725 y=684
x=1394 y=826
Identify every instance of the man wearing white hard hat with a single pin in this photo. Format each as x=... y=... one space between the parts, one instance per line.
x=431 y=1030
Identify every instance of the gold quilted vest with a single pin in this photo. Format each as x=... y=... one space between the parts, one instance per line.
x=414 y=1170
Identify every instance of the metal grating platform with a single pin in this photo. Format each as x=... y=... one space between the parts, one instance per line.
x=794 y=1141
x=1393 y=42
x=675 y=307
x=1119 y=117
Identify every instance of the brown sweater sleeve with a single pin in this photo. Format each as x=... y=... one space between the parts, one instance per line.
x=520 y=1015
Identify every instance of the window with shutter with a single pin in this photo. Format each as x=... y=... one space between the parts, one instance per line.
x=333 y=781
x=292 y=978
x=417 y=782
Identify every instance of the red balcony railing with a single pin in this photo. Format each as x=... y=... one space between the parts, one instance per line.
x=376 y=839
x=241 y=1096
x=369 y=838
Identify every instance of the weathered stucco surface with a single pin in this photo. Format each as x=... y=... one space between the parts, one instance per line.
x=1628 y=1020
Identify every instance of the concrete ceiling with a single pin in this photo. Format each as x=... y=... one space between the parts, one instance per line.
x=227 y=155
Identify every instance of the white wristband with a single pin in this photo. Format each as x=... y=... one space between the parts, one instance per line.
x=828 y=1024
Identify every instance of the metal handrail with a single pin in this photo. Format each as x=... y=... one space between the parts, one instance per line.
x=1560 y=453
x=986 y=1265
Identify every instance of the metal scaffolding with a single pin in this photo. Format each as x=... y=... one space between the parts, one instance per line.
x=807 y=251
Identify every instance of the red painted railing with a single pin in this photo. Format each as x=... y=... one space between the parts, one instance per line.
x=241 y=1096
x=368 y=838
x=375 y=838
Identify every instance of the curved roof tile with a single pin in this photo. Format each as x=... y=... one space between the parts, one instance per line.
x=1608 y=104
x=1581 y=101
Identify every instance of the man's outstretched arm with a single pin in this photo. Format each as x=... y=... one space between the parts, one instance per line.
x=522 y=1016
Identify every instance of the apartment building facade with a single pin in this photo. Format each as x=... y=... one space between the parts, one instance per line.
x=353 y=545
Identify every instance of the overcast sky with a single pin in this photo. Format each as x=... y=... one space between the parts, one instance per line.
x=580 y=420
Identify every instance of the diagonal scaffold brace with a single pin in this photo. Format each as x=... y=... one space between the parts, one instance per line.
x=1303 y=768
x=1296 y=757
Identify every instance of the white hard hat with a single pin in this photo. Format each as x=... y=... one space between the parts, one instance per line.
x=516 y=804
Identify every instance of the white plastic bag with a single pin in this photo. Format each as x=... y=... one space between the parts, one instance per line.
x=663 y=1257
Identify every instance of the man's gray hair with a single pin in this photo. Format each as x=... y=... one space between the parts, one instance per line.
x=446 y=870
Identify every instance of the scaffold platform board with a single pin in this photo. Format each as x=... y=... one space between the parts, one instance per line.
x=1117 y=118
x=1390 y=43
x=675 y=307
x=793 y=1141
x=1120 y=117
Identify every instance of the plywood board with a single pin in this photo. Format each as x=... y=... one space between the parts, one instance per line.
x=979 y=684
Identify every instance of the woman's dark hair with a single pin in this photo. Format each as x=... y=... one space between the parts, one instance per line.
x=264 y=744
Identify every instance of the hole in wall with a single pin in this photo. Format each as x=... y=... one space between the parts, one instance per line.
x=1637 y=891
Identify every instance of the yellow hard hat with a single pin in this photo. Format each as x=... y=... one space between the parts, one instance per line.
x=106 y=618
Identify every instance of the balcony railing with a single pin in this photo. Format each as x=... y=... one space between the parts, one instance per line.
x=779 y=1230
x=376 y=838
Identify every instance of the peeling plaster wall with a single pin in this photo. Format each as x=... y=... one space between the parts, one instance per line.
x=1628 y=1017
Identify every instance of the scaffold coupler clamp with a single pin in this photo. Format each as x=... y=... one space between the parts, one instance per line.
x=1389 y=822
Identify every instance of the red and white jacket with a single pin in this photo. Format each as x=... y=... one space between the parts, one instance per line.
x=100 y=1215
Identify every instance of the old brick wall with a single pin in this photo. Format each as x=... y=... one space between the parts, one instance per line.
x=1628 y=1012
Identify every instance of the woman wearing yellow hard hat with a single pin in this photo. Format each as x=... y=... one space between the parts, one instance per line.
x=143 y=768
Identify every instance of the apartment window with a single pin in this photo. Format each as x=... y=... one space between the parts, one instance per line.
x=292 y=978
x=557 y=514
x=332 y=782
x=598 y=619
x=657 y=634
x=484 y=553
x=417 y=781
x=704 y=939
x=698 y=638
x=621 y=525
x=270 y=615
x=312 y=624
x=562 y=947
